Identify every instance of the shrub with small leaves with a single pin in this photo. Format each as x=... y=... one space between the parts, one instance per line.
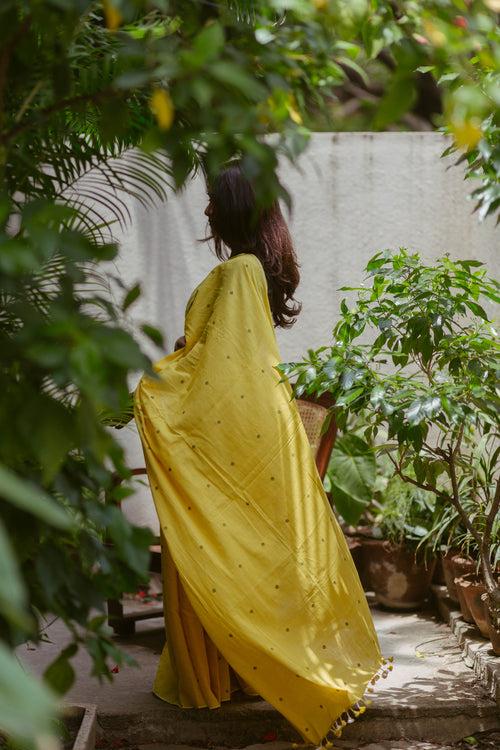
x=417 y=355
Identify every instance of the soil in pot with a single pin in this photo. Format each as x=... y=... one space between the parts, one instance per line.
x=473 y=588
x=449 y=576
x=464 y=607
x=399 y=580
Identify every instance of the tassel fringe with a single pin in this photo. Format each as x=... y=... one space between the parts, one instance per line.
x=358 y=708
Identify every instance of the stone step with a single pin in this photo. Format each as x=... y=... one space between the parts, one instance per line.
x=484 y=741
x=431 y=696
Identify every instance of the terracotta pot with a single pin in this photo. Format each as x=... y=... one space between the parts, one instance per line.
x=449 y=576
x=473 y=588
x=464 y=607
x=356 y=549
x=462 y=565
x=493 y=631
x=397 y=578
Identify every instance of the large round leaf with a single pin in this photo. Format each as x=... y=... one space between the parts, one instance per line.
x=352 y=473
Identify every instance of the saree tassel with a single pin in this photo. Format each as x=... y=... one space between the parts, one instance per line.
x=356 y=709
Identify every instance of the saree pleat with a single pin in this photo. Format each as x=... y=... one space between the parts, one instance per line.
x=192 y=672
x=258 y=571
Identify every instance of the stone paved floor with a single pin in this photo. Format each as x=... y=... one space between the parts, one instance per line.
x=431 y=695
x=481 y=741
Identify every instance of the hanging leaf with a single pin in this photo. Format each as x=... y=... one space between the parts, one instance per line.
x=352 y=472
x=32 y=499
x=19 y=690
x=13 y=598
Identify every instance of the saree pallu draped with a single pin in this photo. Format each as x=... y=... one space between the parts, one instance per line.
x=257 y=574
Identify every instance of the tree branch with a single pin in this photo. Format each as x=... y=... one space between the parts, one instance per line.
x=484 y=556
x=494 y=510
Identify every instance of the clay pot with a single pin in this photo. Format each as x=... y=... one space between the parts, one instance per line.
x=397 y=578
x=449 y=576
x=493 y=632
x=464 y=607
x=462 y=565
x=356 y=549
x=473 y=588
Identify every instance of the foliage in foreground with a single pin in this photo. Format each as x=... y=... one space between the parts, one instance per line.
x=417 y=356
x=409 y=65
x=80 y=84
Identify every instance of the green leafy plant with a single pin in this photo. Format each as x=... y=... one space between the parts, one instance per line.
x=100 y=102
x=419 y=66
x=404 y=514
x=417 y=354
x=365 y=489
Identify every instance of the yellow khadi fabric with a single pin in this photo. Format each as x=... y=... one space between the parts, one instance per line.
x=258 y=552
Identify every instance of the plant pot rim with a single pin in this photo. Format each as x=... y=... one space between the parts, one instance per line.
x=392 y=545
x=469 y=580
x=463 y=558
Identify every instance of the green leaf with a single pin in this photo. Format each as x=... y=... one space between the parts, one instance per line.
x=12 y=590
x=353 y=473
x=476 y=309
x=414 y=413
x=60 y=675
x=350 y=508
x=32 y=499
x=131 y=296
x=349 y=397
x=238 y=79
x=376 y=262
x=27 y=707
x=207 y=45
x=153 y=334
x=396 y=102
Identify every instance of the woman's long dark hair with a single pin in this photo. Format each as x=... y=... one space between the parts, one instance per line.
x=238 y=225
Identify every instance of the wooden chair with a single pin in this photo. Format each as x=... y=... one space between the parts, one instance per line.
x=313 y=412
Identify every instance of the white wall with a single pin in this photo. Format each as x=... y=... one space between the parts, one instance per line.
x=353 y=194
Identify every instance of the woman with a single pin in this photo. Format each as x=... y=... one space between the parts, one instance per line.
x=260 y=589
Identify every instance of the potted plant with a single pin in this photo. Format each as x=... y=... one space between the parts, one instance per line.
x=398 y=563
x=356 y=475
x=470 y=586
x=384 y=519
x=426 y=370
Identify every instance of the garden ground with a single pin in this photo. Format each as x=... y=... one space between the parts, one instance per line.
x=430 y=700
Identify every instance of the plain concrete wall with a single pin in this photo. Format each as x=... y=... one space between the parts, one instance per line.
x=353 y=194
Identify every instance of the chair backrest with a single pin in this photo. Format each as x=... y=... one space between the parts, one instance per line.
x=313 y=412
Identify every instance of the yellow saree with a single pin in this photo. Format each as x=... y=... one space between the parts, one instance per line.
x=257 y=574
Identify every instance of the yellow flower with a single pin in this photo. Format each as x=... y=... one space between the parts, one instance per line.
x=162 y=108
x=466 y=133
x=320 y=4
x=112 y=15
x=436 y=37
x=293 y=111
